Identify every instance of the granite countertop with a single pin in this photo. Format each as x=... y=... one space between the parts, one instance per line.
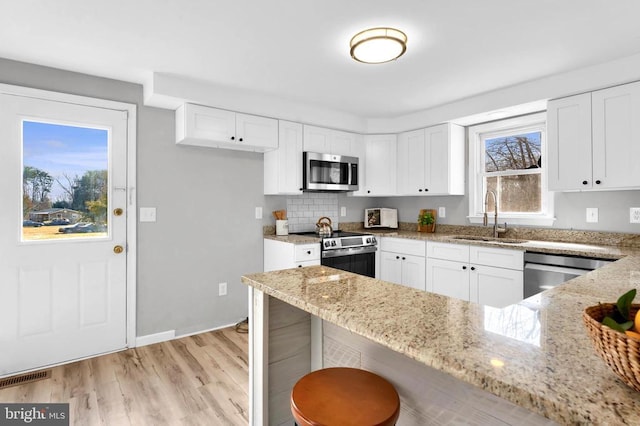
x=595 y=247
x=536 y=353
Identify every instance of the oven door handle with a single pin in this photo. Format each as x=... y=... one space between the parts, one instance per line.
x=349 y=251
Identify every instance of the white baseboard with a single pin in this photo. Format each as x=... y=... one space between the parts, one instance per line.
x=150 y=339
x=164 y=336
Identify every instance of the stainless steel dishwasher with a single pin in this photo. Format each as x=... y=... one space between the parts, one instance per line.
x=543 y=271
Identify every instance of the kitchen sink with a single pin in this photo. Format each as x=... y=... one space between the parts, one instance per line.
x=487 y=239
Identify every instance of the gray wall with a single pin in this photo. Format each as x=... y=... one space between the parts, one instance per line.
x=570 y=209
x=205 y=232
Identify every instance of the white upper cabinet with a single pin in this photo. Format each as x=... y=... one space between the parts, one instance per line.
x=616 y=136
x=431 y=161
x=283 y=166
x=216 y=128
x=378 y=170
x=329 y=141
x=569 y=143
x=594 y=140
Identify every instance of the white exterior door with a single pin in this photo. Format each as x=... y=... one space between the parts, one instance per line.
x=63 y=291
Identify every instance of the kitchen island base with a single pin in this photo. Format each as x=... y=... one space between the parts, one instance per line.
x=286 y=343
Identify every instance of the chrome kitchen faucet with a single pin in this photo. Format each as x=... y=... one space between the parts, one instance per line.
x=485 y=221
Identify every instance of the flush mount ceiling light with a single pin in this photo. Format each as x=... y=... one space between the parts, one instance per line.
x=378 y=45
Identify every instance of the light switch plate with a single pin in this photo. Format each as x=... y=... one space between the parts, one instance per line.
x=222 y=289
x=258 y=212
x=442 y=212
x=343 y=211
x=147 y=214
x=592 y=214
x=634 y=215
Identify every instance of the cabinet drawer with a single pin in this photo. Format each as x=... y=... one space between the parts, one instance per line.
x=498 y=257
x=305 y=252
x=307 y=263
x=404 y=246
x=446 y=251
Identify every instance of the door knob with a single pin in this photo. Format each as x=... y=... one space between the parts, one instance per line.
x=118 y=249
x=118 y=211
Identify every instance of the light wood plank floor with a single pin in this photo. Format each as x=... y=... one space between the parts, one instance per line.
x=197 y=380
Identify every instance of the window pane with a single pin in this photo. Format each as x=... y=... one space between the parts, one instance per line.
x=514 y=152
x=516 y=193
x=64 y=181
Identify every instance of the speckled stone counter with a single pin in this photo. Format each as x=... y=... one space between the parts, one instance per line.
x=536 y=354
x=593 y=247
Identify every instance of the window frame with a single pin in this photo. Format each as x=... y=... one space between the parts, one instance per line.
x=476 y=135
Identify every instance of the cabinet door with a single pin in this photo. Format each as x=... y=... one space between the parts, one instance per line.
x=569 y=150
x=444 y=160
x=278 y=255
x=413 y=271
x=380 y=153
x=495 y=287
x=283 y=166
x=256 y=133
x=317 y=139
x=345 y=143
x=204 y=126
x=616 y=136
x=448 y=278
x=411 y=162
x=390 y=267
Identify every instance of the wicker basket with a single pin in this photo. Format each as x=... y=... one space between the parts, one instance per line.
x=619 y=351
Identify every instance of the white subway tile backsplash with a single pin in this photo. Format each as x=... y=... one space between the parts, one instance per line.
x=304 y=210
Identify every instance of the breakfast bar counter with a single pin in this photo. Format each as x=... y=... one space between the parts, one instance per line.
x=535 y=354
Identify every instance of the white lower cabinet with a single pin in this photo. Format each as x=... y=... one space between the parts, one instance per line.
x=497 y=287
x=485 y=275
x=283 y=255
x=402 y=262
x=447 y=277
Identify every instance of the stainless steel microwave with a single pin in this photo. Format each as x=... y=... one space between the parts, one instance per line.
x=327 y=172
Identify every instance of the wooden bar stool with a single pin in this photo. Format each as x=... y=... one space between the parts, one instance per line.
x=344 y=396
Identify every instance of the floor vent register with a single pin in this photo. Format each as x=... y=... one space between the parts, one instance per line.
x=24 y=378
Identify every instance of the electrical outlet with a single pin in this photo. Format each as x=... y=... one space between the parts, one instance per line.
x=343 y=211
x=222 y=289
x=592 y=214
x=634 y=215
x=442 y=212
x=258 y=212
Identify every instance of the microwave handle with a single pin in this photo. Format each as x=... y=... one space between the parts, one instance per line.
x=351 y=167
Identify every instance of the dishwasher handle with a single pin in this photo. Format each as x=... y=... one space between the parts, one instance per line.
x=559 y=269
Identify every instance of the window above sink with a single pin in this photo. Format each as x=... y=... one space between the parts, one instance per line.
x=508 y=158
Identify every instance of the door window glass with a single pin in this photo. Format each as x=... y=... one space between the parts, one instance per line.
x=65 y=181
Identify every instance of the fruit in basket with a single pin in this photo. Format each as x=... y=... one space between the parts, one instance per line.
x=633 y=334
x=620 y=318
x=637 y=322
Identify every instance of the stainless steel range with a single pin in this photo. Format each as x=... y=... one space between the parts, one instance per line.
x=350 y=251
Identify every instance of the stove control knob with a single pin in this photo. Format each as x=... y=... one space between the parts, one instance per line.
x=368 y=240
x=326 y=243
x=373 y=240
x=333 y=243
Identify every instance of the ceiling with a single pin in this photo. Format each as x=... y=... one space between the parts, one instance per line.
x=299 y=50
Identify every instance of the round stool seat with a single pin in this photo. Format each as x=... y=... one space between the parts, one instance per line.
x=344 y=396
